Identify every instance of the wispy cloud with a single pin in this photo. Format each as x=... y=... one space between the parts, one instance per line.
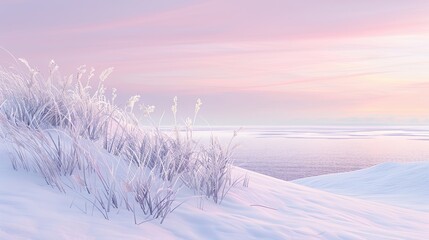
x=339 y=59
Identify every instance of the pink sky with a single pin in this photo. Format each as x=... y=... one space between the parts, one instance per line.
x=251 y=62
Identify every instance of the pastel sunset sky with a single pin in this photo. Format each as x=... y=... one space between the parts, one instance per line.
x=251 y=62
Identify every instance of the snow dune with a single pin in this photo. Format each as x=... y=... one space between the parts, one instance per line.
x=400 y=184
x=268 y=209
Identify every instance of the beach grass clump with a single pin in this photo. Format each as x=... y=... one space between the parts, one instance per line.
x=68 y=130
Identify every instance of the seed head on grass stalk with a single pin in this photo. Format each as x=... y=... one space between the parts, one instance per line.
x=174 y=110
x=197 y=108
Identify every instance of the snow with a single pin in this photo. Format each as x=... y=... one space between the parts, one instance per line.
x=384 y=202
x=400 y=184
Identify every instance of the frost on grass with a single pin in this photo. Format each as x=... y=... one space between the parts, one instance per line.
x=74 y=135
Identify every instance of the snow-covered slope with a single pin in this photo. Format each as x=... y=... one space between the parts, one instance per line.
x=267 y=209
x=401 y=184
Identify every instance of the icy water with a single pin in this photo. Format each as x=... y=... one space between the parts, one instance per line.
x=295 y=152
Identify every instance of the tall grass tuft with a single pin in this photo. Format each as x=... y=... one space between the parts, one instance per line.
x=78 y=139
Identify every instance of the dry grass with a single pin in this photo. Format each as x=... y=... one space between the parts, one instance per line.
x=79 y=139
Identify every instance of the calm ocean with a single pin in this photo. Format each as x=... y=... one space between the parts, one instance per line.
x=295 y=152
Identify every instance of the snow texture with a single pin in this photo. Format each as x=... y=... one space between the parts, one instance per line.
x=388 y=201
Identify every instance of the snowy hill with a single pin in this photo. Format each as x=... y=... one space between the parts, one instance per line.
x=401 y=184
x=267 y=209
